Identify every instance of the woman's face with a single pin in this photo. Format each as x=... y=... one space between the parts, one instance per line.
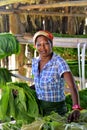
x=43 y=46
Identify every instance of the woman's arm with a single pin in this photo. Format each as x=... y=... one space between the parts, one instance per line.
x=68 y=77
x=74 y=116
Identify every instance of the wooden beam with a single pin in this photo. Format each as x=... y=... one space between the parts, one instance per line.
x=10 y=11
x=57 y=41
x=4 y=11
x=45 y=13
x=41 y=13
x=6 y=2
x=68 y=42
x=55 y=5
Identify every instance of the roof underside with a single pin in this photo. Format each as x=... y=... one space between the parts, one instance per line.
x=43 y=7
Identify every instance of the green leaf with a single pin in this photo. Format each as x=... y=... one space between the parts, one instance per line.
x=4 y=101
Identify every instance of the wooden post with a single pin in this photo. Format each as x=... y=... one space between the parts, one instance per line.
x=15 y=28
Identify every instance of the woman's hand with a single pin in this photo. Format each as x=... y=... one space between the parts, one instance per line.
x=74 y=116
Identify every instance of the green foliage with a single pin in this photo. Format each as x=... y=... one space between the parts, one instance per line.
x=83 y=116
x=51 y=122
x=4 y=101
x=20 y=106
x=66 y=53
x=36 y=125
x=12 y=125
x=8 y=45
x=56 y=122
x=5 y=75
x=73 y=64
x=70 y=36
x=83 y=99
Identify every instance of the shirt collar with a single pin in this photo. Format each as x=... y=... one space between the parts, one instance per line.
x=37 y=59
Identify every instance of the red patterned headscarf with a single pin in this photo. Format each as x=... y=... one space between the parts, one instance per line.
x=43 y=33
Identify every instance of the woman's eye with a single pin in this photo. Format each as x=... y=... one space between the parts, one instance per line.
x=38 y=44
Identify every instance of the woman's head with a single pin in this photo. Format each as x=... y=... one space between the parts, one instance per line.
x=46 y=34
x=43 y=41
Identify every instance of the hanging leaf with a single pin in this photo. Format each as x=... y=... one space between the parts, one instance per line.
x=5 y=75
x=8 y=45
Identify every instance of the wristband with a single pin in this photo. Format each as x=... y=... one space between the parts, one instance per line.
x=76 y=107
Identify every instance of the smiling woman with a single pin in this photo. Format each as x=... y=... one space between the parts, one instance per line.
x=50 y=74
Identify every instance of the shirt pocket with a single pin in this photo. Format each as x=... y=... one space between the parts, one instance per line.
x=50 y=82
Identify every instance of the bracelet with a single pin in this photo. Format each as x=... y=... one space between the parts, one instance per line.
x=76 y=107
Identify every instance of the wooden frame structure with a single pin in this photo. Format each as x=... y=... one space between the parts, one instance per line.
x=27 y=6
x=56 y=5
x=14 y=7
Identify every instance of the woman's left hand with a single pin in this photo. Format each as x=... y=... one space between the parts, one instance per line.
x=74 y=116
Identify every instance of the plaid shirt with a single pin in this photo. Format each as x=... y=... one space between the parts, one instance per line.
x=49 y=84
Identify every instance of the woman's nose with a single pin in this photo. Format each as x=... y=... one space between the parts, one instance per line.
x=43 y=46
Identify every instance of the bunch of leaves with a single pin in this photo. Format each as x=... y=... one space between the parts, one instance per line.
x=70 y=35
x=83 y=116
x=8 y=45
x=75 y=70
x=66 y=53
x=5 y=75
x=13 y=125
x=75 y=126
x=83 y=99
x=5 y=91
x=36 y=125
x=51 y=122
x=22 y=106
x=54 y=121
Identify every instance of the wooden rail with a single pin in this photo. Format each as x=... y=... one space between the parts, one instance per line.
x=58 y=42
x=55 y=5
x=6 y=2
x=68 y=42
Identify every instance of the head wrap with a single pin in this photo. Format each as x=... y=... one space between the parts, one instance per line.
x=43 y=33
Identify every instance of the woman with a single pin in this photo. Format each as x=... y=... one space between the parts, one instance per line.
x=50 y=72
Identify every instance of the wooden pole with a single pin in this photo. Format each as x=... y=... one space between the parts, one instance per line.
x=14 y=24
x=42 y=13
x=6 y=2
x=55 y=5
